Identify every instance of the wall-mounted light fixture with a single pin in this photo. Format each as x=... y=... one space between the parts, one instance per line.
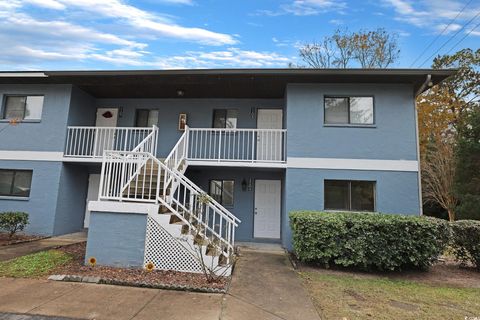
x=120 y=112
x=244 y=185
x=250 y=184
x=180 y=93
x=252 y=112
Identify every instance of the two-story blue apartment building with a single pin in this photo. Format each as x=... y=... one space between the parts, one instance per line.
x=132 y=154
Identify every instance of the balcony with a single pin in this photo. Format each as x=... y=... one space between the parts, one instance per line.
x=198 y=146
x=90 y=142
x=238 y=147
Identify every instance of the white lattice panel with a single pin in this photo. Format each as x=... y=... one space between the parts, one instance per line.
x=166 y=252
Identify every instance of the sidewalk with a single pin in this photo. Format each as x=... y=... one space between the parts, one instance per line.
x=93 y=301
x=21 y=249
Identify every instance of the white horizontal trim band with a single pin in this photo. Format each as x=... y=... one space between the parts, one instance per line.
x=352 y=164
x=230 y=163
x=23 y=74
x=31 y=155
x=123 y=207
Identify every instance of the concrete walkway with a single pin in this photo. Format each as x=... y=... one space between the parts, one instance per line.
x=21 y=249
x=264 y=286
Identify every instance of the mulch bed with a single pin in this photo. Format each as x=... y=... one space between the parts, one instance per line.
x=136 y=276
x=5 y=240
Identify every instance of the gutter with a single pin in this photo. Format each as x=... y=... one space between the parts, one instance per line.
x=427 y=82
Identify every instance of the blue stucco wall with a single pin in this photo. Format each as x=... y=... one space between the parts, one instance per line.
x=117 y=239
x=393 y=137
x=396 y=192
x=71 y=201
x=82 y=111
x=48 y=134
x=199 y=114
x=42 y=203
x=243 y=206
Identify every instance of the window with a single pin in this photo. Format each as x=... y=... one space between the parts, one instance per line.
x=225 y=118
x=23 y=107
x=349 y=195
x=15 y=183
x=349 y=110
x=222 y=191
x=146 y=117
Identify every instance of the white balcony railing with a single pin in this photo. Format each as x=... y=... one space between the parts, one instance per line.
x=90 y=142
x=241 y=145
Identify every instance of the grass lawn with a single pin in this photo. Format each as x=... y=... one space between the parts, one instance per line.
x=346 y=297
x=34 y=265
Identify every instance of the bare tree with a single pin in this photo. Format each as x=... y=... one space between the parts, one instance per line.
x=438 y=177
x=319 y=54
x=367 y=49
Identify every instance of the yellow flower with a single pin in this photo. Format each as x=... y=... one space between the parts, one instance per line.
x=13 y=122
x=92 y=261
x=149 y=266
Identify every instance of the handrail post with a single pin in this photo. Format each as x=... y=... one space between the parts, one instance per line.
x=102 y=177
x=185 y=143
x=254 y=139
x=95 y=142
x=122 y=173
x=219 y=145
x=126 y=140
x=155 y=140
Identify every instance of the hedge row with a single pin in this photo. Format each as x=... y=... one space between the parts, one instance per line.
x=368 y=240
x=466 y=241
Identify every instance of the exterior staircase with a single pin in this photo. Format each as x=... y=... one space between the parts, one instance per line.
x=191 y=232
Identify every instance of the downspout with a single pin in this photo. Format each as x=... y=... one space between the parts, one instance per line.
x=424 y=85
x=419 y=175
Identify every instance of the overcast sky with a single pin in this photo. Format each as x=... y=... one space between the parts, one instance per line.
x=166 y=34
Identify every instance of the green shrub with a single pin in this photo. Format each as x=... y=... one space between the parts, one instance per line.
x=368 y=240
x=12 y=222
x=466 y=241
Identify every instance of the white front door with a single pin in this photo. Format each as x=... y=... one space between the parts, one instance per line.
x=268 y=194
x=92 y=195
x=269 y=144
x=105 y=138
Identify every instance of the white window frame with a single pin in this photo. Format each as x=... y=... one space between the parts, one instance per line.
x=374 y=182
x=348 y=123
x=3 y=113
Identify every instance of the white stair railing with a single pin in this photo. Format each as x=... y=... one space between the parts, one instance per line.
x=141 y=177
x=179 y=152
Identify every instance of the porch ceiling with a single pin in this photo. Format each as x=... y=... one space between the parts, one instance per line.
x=216 y=83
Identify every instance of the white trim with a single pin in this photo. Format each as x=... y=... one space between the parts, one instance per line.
x=230 y=163
x=82 y=159
x=23 y=74
x=31 y=155
x=417 y=137
x=123 y=207
x=353 y=164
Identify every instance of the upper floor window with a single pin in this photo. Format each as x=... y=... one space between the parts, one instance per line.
x=222 y=191
x=15 y=183
x=349 y=195
x=146 y=117
x=225 y=118
x=349 y=110
x=23 y=107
